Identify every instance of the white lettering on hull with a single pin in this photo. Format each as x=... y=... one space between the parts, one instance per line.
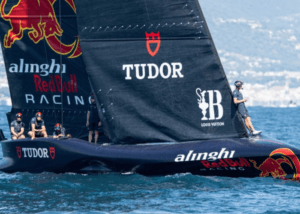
x=212 y=156
x=35 y=153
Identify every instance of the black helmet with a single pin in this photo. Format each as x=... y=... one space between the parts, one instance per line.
x=19 y=115
x=238 y=83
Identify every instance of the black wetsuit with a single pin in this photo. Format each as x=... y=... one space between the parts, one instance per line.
x=94 y=117
x=38 y=125
x=241 y=106
x=62 y=131
x=17 y=126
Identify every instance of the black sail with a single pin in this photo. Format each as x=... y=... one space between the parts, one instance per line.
x=43 y=61
x=155 y=70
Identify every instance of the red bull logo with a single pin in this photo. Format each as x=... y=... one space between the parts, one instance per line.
x=273 y=167
x=225 y=164
x=153 y=38
x=38 y=19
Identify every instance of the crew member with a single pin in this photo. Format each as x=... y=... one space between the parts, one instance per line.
x=60 y=131
x=240 y=102
x=93 y=120
x=17 y=128
x=37 y=127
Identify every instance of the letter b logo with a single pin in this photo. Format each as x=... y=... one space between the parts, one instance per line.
x=214 y=102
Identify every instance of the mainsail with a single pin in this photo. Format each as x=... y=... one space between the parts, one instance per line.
x=43 y=62
x=155 y=71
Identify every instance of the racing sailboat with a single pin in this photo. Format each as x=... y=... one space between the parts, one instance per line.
x=163 y=99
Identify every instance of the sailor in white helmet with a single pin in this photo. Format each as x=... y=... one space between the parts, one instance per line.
x=240 y=102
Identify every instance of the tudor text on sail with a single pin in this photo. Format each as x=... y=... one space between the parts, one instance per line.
x=153 y=71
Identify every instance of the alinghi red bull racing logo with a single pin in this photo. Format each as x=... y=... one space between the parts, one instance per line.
x=38 y=19
x=274 y=166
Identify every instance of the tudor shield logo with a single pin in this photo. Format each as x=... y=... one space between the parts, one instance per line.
x=38 y=19
x=19 y=151
x=152 y=40
x=52 y=152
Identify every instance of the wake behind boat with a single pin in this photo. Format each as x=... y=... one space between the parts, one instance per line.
x=161 y=91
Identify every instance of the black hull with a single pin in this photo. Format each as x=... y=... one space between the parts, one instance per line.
x=247 y=157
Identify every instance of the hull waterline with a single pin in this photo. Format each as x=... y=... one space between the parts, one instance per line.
x=232 y=157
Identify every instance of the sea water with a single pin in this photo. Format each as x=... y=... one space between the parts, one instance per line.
x=181 y=193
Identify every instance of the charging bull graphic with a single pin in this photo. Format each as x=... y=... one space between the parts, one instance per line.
x=273 y=167
x=39 y=20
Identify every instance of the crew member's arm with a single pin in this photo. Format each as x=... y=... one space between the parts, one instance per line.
x=54 y=135
x=236 y=101
x=33 y=130
x=43 y=128
x=22 y=131
x=12 y=130
x=88 y=118
x=99 y=124
x=63 y=132
x=60 y=135
x=44 y=131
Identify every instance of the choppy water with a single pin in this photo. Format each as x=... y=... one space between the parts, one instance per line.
x=185 y=193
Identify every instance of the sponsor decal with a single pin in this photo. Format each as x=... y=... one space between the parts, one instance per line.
x=275 y=167
x=19 y=151
x=152 y=38
x=150 y=70
x=55 y=99
x=153 y=71
x=55 y=84
x=40 y=22
x=225 y=164
x=212 y=156
x=35 y=152
x=33 y=68
x=36 y=19
x=214 y=100
x=52 y=152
